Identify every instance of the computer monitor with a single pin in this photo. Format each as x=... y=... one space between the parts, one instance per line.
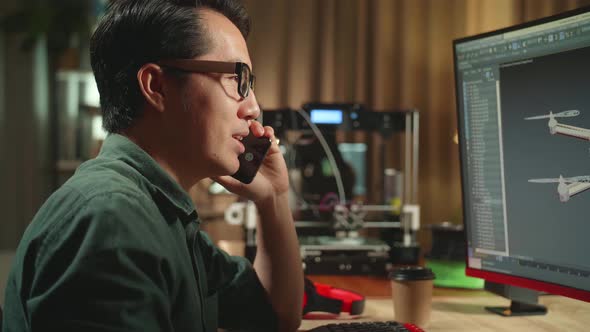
x=524 y=124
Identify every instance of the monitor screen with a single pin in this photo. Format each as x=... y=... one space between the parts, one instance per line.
x=523 y=100
x=326 y=116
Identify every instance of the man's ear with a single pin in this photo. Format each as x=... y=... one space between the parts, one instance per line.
x=151 y=83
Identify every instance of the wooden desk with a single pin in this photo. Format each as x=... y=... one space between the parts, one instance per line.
x=463 y=310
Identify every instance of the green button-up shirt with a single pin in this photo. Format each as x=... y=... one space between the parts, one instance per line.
x=118 y=248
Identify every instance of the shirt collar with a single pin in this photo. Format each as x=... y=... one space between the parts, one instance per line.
x=119 y=147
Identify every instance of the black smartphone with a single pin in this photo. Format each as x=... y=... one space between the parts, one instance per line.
x=251 y=159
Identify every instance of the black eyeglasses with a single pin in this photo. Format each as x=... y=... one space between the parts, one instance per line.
x=246 y=79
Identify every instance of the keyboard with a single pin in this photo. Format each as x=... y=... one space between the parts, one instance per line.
x=388 y=326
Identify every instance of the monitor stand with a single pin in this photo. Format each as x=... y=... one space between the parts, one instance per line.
x=523 y=301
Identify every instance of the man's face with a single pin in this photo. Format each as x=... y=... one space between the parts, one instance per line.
x=208 y=111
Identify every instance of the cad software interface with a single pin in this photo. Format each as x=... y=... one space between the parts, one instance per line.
x=524 y=109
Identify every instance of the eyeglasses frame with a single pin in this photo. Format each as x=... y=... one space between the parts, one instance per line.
x=211 y=66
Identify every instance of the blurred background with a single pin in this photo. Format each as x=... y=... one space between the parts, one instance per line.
x=385 y=54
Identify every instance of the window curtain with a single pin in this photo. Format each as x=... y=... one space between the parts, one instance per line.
x=386 y=54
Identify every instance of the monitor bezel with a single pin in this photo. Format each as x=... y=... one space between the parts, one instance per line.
x=491 y=276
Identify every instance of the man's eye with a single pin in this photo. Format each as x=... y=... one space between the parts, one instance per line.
x=235 y=78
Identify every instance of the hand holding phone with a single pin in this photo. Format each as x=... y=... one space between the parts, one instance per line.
x=251 y=159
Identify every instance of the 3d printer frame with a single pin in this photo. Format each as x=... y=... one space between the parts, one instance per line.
x=347 y=252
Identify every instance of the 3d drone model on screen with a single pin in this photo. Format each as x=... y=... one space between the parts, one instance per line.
x=563 y=129
x=567 y=187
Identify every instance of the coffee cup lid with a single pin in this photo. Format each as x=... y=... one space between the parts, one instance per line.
x=409 y=273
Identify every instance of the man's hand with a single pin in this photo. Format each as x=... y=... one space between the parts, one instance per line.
x=272 y=178
x=277 y=263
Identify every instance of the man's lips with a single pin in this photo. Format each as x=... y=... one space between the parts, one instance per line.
x=239 y=139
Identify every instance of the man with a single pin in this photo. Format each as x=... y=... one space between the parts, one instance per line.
x=118 y=247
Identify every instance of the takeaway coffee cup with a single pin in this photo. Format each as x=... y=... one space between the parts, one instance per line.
x=411 y=289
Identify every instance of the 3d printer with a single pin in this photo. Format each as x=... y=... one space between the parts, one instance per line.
x=353 y=175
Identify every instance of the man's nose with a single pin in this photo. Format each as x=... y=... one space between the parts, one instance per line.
x=249 y=109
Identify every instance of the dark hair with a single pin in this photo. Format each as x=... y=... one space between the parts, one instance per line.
x=135 y=32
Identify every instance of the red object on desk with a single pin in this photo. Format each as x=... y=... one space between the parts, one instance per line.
x=320 y=297
x=413 y=328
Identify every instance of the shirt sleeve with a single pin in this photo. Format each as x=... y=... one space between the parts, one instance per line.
x=101 y=272
x=243 y=302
